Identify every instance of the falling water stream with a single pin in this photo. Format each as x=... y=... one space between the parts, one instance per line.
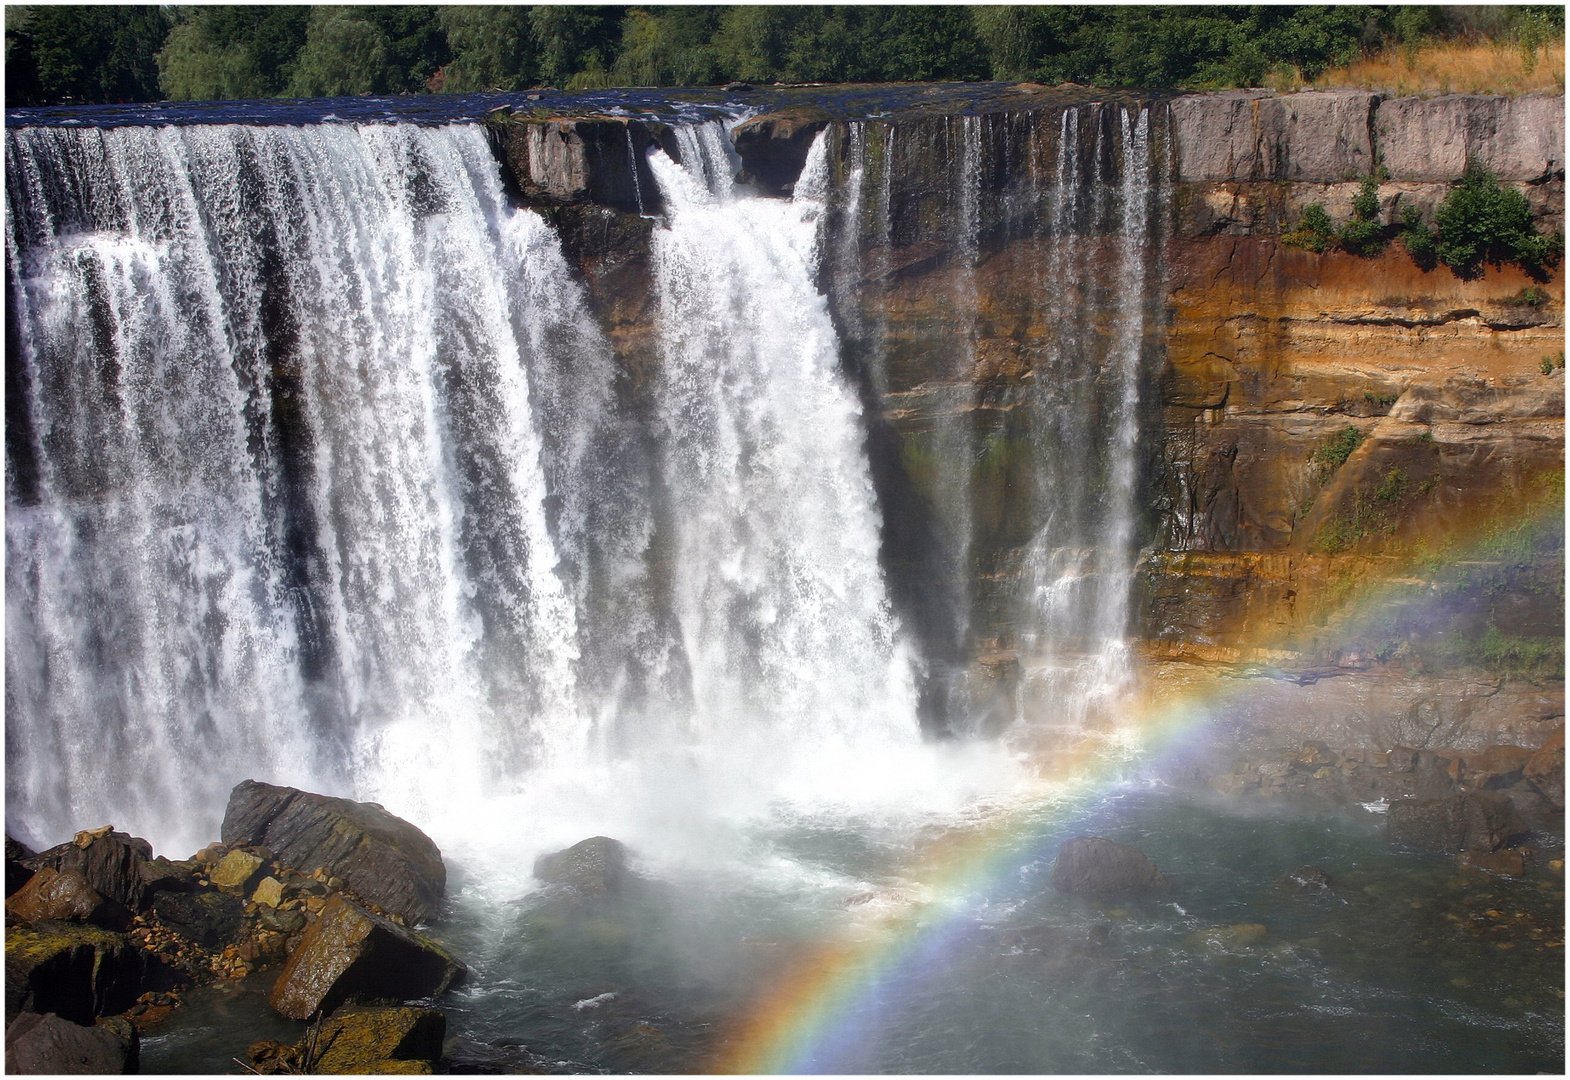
x=320 y=471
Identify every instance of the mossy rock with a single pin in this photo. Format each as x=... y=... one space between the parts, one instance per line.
x=398 y=1040
x=77 y=972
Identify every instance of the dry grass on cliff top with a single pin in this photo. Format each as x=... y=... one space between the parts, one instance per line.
x=1446 y=68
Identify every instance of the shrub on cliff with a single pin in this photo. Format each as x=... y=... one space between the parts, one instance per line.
x=1363 y=234
x=1314 y=231
x=1482 y=221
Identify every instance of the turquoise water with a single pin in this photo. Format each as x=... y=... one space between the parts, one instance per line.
x=1405 y=965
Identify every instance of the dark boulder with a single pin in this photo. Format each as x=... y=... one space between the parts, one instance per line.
x=381 y=858
x=78 y=972
x=111 y=862
x=210 y=919
x=1092 y=866
x=349 y=954
x=43 y=1043
x=1473 y=821
x=596 y=866
x=773 y=147
x=54 y=895
x=1545 y=769
x=1494 y=769
x=16 y=869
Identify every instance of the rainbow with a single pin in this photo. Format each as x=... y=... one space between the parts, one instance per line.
x=812 y=1017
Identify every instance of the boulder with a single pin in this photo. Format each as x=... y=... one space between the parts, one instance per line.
x=66 y=896
x=237 y=870
x=112 y=862
x=1092 y=866
x=1496 y=768
x=1472 y=821
x=1545 y=769
x=355 y=1039
x=595 y=866
x=381 y=858
x=1307 y=879
x=210 y=919
x=16 y=869
x=349 y=954
x=76 y=971
x=48 y=1044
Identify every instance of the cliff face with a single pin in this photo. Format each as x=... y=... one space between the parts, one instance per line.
x=980 y=264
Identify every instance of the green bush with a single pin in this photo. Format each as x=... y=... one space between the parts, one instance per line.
x=1418 y=239
x=1481 y=221
x=1333 y=453
x=1314 y=231
x=1363 y=234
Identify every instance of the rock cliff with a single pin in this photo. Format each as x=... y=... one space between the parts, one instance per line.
x=977 y=265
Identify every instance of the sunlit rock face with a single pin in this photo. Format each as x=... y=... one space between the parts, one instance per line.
x=979 y=269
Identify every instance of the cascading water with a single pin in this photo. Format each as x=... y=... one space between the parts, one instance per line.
x=296 y=397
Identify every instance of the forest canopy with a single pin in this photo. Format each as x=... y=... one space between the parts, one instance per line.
x=115 y=53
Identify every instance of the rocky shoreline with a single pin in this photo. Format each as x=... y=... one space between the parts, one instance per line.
x=103 y=938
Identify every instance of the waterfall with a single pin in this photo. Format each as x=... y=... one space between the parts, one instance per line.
x=296 y=398
x=777 y=588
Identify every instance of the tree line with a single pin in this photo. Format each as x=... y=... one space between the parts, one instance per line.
x=101 y=53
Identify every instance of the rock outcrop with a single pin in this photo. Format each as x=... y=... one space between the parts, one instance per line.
x=50 y=1045
x=1476 y=821
x=349 y=954
x=381 y=858
x=594 y=867
x=1093 y=866
x=75 y=971
x=113 y=863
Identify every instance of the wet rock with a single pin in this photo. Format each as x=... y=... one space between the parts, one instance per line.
x=269 y=891
x=76 y=971
x=381 y=858
x=1401 y=759
x=1093 y=866
x=360 y=1040
x=1314 y=754
x=1496 y=768
x=349 y=954
x=595 y=866
x=16 y=869
x=66 y=896
x=1472 y=821
x=470 y=1057
x=773 y=147
x=1308 y=879
x=1510 y=861
x=1545 y=769
x=236 y=871
x=1228 y=938
x=111 y=862
x=571 y=161
x=165 y=875
x=49 y=1044
x=210 y=919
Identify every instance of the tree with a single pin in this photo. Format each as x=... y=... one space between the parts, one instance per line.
x=88 y=54
x=344 y=53
x=215 y=53
x=491 y=47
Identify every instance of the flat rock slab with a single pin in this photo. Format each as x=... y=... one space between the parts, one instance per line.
x=1093 y=866
x=349 y=954
x=47 y=1044
x=1474 y=821
x=381 y=858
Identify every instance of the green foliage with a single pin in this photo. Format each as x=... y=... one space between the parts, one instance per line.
x=1531 y=296
x=82 y=54
x=1418 y=239
x=493 y=48
x=1314 y=231
x=1363 y=234
x=222 y=52
x=1482 y=221
x=1379 y=401
x=108 y=53
x=1333 y=453
x=1547 y=365
x=1371 y=513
